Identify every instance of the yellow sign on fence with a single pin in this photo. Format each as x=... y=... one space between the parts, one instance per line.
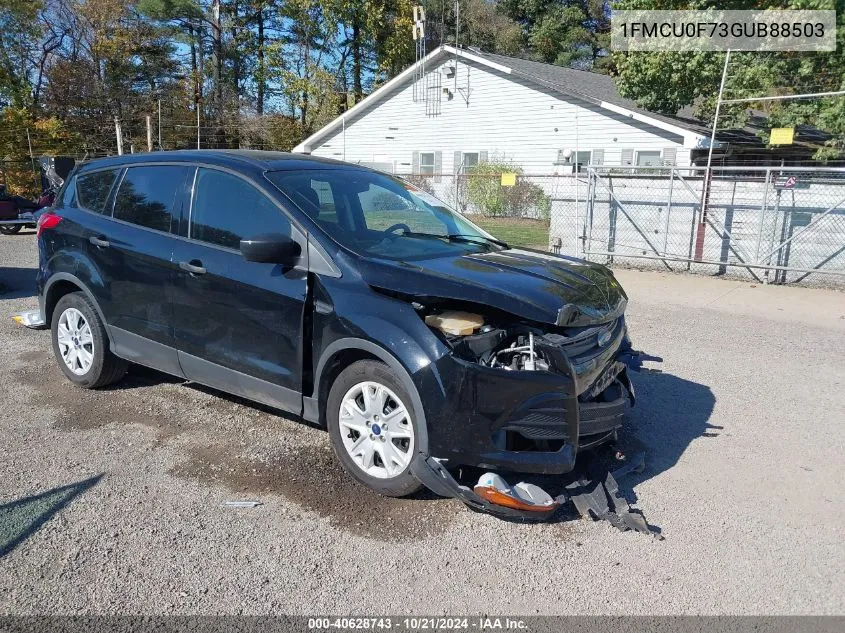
x=508 y=179
x=782 y=136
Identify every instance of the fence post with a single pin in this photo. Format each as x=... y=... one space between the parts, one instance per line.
x=763 y=208
x=588 y=234
x=612 y=214
x=774 y=232
x=692 y=234
x=668 y=210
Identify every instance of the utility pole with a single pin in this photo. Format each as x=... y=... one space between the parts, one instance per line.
x=159 y=125
x=32 y=160
x=198 y=125
x=149 y=134
x=708 y=176
x=705 y=191
x=457 y=41
x=119 y=134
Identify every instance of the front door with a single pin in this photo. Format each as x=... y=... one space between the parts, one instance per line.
x=238 y=323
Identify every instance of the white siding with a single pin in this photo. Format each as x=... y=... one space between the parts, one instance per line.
x=505 y=116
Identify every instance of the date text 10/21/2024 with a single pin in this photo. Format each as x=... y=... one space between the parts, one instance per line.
x=483 y=623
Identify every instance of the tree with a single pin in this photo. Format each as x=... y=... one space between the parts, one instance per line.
x=666 y=82
x=564 y=32
x=486 y=195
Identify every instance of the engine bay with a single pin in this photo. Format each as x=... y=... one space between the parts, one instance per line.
x=498 y=342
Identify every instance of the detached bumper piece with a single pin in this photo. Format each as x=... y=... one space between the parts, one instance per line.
x=594 y=498
x=601 y=500
x=31 y=319
x=434 y=475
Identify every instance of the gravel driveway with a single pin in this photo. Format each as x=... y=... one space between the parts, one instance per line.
x=111 y=500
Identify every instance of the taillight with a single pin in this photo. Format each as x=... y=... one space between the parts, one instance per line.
x=47 y=221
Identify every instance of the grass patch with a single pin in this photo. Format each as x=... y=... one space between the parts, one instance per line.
x=516 y=231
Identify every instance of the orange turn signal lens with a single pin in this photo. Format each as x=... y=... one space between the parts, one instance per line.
x=499 y=498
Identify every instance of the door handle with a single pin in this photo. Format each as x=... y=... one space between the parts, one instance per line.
x=194 y=267
x=99 y=241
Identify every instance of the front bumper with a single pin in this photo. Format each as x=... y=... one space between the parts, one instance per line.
x=525 y=421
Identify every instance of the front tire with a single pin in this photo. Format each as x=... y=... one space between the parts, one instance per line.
x=81 y=345
x=372 y=428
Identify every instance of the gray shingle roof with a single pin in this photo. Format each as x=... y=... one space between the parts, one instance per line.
x=588 y=85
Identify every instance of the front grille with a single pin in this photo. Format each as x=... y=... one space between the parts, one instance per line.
x=583 y=344
x=589 y=349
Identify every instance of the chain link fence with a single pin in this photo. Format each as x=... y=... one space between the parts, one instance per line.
x=772 y=225
x=784 y=225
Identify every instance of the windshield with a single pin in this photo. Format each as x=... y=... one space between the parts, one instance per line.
x=381 y=216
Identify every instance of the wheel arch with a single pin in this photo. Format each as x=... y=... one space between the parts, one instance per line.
x=62 y=284
x=341 y=354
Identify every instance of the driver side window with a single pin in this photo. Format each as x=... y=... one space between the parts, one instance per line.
x=227 y=209
x=383 y=209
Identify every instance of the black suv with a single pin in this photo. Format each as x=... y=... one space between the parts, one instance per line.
x=343 y=295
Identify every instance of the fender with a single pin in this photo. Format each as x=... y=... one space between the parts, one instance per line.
x=311 y=404
x=56 y=277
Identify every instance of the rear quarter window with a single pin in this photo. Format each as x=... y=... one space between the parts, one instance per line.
x=92 y=190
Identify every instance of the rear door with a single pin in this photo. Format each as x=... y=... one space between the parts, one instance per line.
x=238 y=323
x=133 y=255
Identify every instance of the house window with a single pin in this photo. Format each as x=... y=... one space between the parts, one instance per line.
x=649 y=158
x=581 y=160
x=426 y=163
x=469 y=160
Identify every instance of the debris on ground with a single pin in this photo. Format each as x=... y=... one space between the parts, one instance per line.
x=241 y=504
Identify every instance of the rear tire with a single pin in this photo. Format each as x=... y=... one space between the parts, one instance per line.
x=81 y=345
x=372 y=428
x=10 y=229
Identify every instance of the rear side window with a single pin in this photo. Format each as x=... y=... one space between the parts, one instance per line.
x=92 y=190
x=150 y=196
x=227 y=209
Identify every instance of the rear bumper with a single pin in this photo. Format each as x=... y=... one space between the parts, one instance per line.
x=523 y=421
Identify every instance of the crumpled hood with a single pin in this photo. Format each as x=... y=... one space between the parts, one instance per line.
x=536 y=286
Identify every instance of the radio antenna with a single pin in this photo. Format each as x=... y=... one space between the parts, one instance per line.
x=418 y=32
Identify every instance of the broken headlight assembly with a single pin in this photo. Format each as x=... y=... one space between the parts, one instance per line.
x=491 y=341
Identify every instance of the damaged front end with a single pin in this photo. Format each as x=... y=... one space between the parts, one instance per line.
x=526 y=397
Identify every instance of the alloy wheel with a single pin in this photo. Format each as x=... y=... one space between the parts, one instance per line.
x=76 y=342
x=376 y=429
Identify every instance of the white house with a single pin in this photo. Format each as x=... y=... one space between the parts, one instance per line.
x=460 y=106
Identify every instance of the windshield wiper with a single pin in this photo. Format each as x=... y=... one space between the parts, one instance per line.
x=460 y=237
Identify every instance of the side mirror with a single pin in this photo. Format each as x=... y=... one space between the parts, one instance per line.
x=270 y=248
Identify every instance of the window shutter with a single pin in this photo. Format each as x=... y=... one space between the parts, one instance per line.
x=457 y=167
x=438 y=165
x=669 y=156
x=598 y=157
x=627 y=157
x=415 y=163
x=482 y=157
